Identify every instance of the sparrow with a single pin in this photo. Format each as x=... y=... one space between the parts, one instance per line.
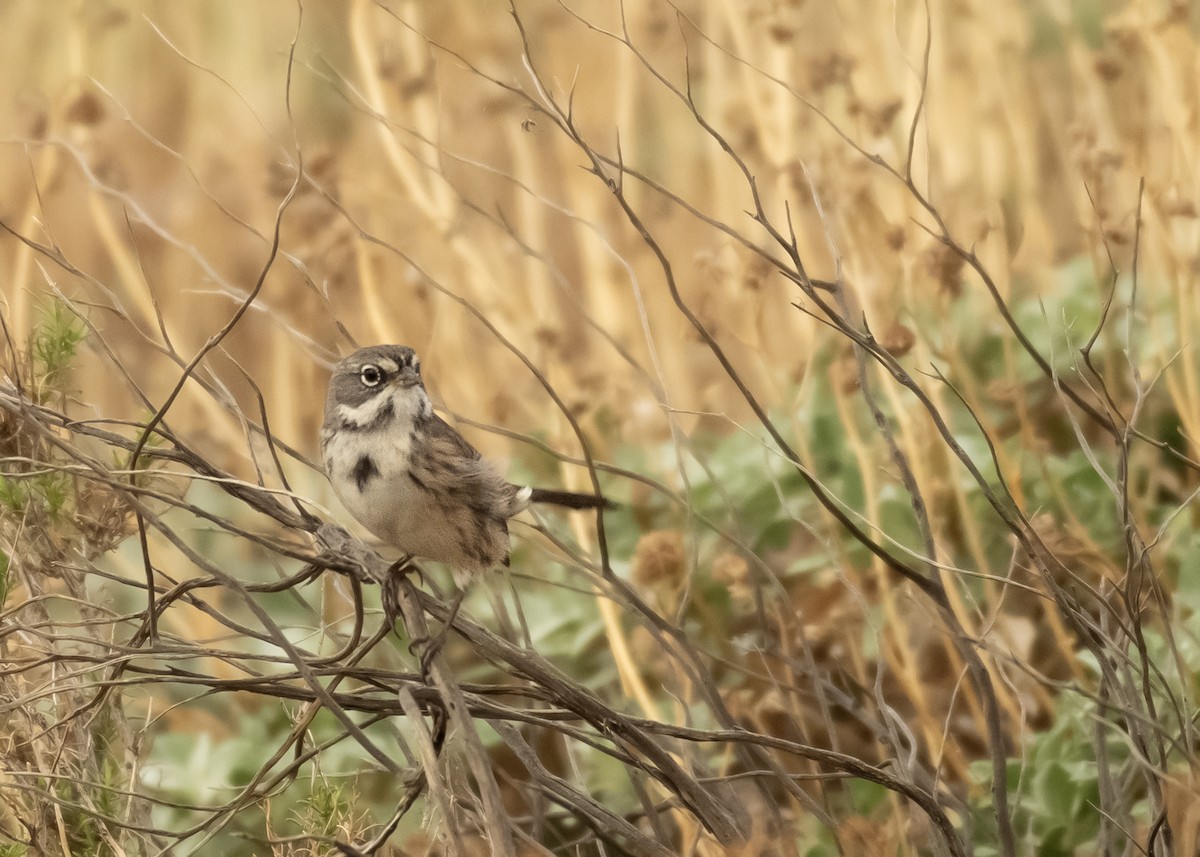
x=411 y=478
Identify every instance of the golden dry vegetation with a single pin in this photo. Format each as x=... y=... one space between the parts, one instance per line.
x=877 y=317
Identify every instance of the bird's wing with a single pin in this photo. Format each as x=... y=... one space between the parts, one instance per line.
x=462 y=472
x=448 y=441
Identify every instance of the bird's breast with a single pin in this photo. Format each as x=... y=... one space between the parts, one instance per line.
x=368 y=471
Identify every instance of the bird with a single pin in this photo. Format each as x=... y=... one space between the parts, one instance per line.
x=409 y=477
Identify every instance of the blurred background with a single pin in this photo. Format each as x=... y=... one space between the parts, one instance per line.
x=147 y=146
x=152 y=144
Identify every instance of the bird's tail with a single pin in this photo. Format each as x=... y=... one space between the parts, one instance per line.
x=570 y=499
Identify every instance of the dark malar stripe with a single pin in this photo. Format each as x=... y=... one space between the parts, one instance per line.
x=387 y=412
x=364 y=471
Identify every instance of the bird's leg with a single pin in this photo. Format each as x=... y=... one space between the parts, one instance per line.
x=388 y=586
x=430 y=646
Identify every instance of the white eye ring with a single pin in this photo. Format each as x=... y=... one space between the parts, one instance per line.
x=370 y=375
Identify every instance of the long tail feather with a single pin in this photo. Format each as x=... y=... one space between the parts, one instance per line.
x=570 y=499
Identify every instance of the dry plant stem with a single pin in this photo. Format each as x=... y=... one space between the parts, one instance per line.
x=599 y=166
x=56 y=255
x=130 y=494
x=565 y=122
x=660 y=764
x=970 y=257
x=981 y=678
x=208 y=346
x=943 y=235
x=1021 y=530
x=252 y=791
x=428 y=754
x=629 y=733
x=271 y=447
x=1139 y=571
x=1138 y=567
x=430 y=200
x=1118 y=671
x=428 y=188
x=619 y=729
x=225 y=401
x=604 y=822
x=496 y=820
x=414 y=790
x=952 y=612
x=931 y=585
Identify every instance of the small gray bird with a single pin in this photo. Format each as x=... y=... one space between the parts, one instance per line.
x=409 y=477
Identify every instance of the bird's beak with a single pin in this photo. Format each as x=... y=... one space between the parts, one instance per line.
x=408 y=377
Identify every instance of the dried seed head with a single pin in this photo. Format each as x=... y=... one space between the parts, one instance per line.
x=659 y=559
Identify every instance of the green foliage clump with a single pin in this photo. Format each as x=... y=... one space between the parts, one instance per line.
x=327 y=810
x=55 y=343
x=30 y=487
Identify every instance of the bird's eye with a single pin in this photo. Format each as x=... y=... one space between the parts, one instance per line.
x=370 y=375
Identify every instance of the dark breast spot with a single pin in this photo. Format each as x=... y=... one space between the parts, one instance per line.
x=364 y=471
